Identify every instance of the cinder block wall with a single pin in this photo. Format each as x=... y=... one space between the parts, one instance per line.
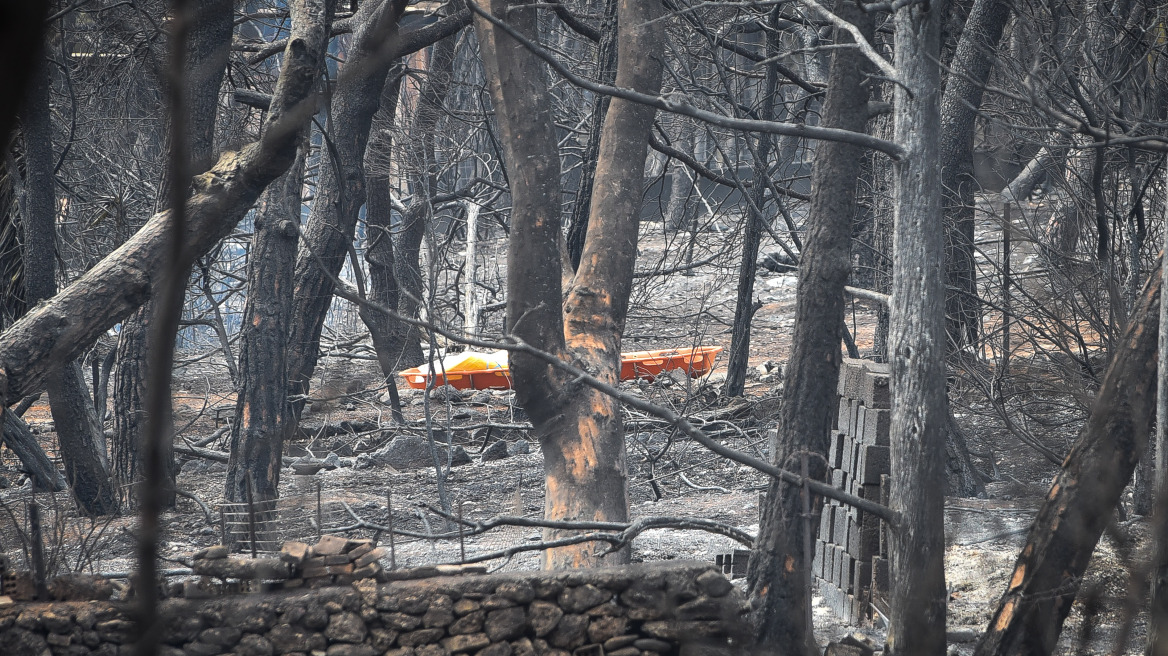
x=851 y=565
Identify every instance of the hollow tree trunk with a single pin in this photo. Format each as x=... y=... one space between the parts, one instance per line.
x=778 y=575
x=1084 y=494
x=964 y=87
x=263 y=416
x=79 y=433
x=208 y=47
x=580 y=430
x=340 y=190
x=916 y=343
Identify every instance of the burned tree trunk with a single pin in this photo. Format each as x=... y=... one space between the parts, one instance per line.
x=606 y=73
x=1084 y=494
x=79 y=433
x=778 y=576
x=208 y=48
x=963 y=92
x=580 y=429
x=62 y=327
x=340 y=190
x=263 y=416
x=916 y=338
x=386 y=332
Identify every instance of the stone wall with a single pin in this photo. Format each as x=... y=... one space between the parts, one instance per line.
x=682 y=609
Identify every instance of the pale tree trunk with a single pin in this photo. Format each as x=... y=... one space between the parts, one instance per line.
x=1158 y=613
x=778 y=578
x=79 y=433
x=208 y=48
x=580 y=429
x=917 y=343
x=971 y=65
x=1083 y=496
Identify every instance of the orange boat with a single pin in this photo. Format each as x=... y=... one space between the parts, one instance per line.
x=647 y=365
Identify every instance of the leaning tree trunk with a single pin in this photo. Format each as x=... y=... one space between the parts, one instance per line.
x=62 y=327
x=263 y=416
x=340 y=190
x=744 y=307
x=971 y=65
x=916 y=343
x=580 y=429
x=778 y=577
x=1084 y=494
x=208 y=47
x=79 y=433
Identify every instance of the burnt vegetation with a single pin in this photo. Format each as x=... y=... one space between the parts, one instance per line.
x=246 y=246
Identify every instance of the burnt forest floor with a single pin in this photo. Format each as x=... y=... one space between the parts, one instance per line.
x=348 y=418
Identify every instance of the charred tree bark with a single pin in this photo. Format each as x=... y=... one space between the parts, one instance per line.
x=580 y=429
x=744 y=307
x=340 y=191
x=407 y=348
x=916 y=343
x=62 y=327
x=387 y=333
x=22 y=30
x=263 y=415
x=208 y=48
x=20 y=440
x=79 y=433
x=1084 y=494
x=606 y=73
x=778 y=577
x=971 y=65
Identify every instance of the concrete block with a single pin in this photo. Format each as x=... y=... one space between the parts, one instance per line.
x=875 y=386
x=875 y=461
x=877 y=426
x=844 y=417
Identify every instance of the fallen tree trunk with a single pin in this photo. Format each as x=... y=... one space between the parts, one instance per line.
x=1083 y=496
x=36 y=463
x=61 y=328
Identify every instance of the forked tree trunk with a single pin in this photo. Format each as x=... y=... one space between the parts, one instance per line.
x=340 y=190
x=916 y=338
x=778 y=576
x=79 y=433
x=580 y=429
x=1084 y=494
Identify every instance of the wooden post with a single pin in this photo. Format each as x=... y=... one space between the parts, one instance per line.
x=251 y=518
x=470 y=303
x=319 y=514
x=392 y=541
x=461 y=537
x=37 y=549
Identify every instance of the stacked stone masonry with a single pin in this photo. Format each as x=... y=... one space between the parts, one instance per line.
x=682 y=609
x=850 y=564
